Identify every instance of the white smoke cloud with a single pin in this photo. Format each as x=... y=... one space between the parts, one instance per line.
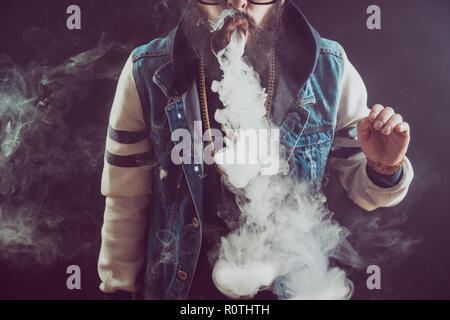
x=242 y=113
x=217 y=24
x=286 y=232
x=43 y=163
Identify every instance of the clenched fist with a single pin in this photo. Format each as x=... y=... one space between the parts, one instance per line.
x=383 y=135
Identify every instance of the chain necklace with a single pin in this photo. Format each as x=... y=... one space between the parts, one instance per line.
x=204 y=102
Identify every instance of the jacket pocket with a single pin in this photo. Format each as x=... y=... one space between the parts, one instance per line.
x=311 y=152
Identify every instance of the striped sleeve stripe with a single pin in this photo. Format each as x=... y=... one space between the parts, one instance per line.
x=345 y=153
x=347 y=136
x=131 y=161
x=127 y=137
x=350 y=133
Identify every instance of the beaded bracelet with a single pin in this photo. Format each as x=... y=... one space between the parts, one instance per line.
x=384 y=169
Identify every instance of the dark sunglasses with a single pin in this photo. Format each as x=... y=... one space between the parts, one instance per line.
x=219 y=2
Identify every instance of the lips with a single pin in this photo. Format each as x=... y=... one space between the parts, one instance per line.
x=237 y=23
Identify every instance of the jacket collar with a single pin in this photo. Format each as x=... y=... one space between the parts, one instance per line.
x=297 y=54
x=299 y=48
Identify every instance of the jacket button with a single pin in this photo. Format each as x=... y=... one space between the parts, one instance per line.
x=182 y=275
x=195 y=222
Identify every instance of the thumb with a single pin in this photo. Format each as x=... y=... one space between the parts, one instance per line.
x=363 y=127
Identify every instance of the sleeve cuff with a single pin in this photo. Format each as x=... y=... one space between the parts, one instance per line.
x=382 y=180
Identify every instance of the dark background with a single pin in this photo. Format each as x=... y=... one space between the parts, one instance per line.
x=404 y=65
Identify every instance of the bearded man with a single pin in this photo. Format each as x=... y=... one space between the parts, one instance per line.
x=163 y=221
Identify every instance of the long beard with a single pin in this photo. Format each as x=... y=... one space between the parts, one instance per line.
x=260 y=45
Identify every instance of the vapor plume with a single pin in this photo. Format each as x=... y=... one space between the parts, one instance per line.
x=286 y=234
x=46 y=156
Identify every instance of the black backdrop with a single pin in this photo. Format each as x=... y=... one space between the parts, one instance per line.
x=404 y=65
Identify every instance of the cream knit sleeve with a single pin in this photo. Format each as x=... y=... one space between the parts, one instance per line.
x=126 y=184
x=347 y=157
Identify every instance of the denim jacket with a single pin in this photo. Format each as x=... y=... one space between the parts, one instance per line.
x=307 y=130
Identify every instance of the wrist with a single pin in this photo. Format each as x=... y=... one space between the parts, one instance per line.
x=385 y=169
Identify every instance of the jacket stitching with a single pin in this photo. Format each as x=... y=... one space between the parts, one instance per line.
x=315 y=129
x=158 y=53
x=156 y=80
x=333 y=52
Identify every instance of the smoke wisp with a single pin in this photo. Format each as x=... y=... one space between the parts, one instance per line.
x=47 y=155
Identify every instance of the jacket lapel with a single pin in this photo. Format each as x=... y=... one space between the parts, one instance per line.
x=184 y=113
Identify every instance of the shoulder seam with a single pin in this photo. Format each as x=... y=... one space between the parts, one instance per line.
x=157 y=53
x=333 y=52
x=155 y=48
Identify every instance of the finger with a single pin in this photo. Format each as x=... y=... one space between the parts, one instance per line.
x=383 y=117
x=402 y=128
x=392 y=123
x=375 y=111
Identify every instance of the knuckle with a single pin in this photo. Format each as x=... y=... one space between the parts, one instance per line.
x=389 y=110
x=384 y=117
x=378 y=107
x=387 y=113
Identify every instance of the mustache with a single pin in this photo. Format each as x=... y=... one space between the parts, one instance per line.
x=228 y=16
x=239 y=14
x=218 y=28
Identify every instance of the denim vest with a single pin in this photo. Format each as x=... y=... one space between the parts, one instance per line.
x=175 y=217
